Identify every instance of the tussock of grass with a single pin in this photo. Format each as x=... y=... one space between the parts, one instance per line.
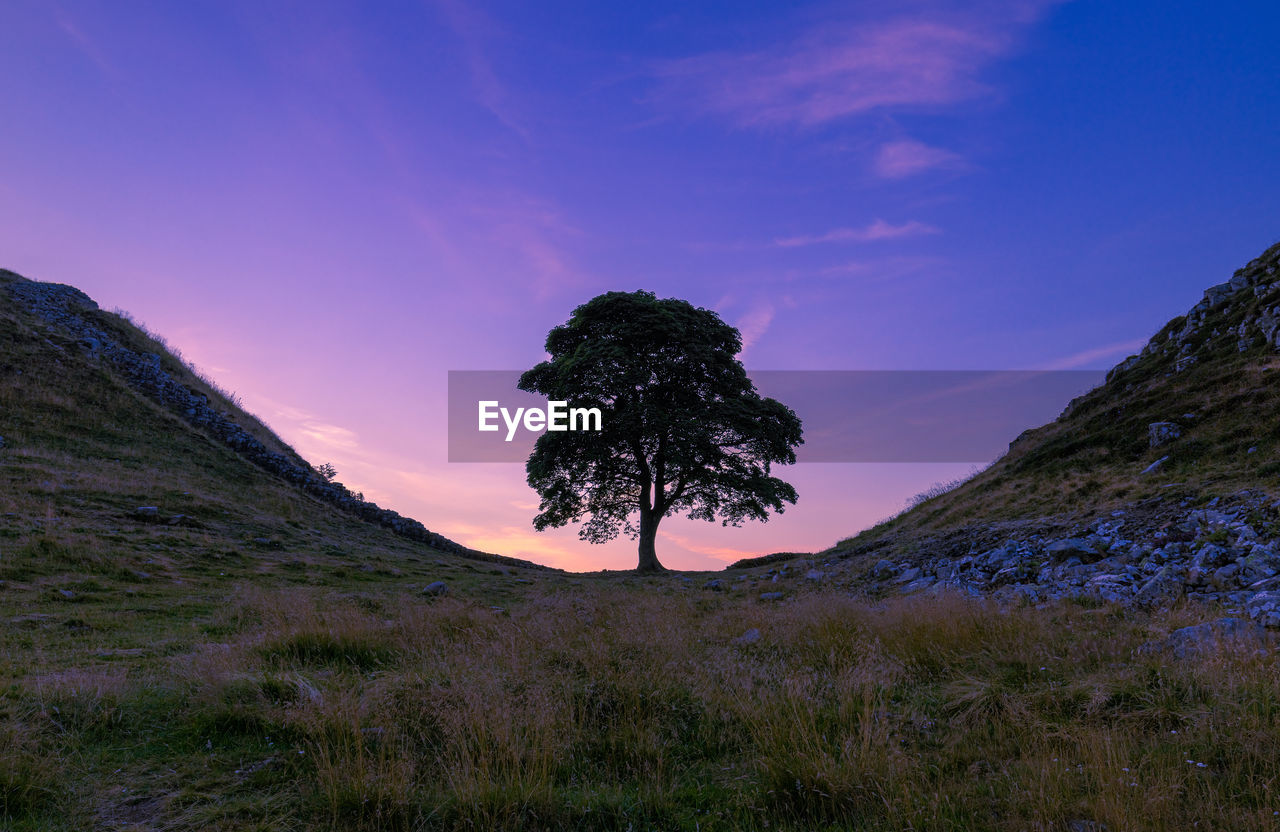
x=30 y=787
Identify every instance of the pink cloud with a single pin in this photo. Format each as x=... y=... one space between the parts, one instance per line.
x=878 y=230
x=755 y=323
x=844 y=69
x=907 y=157
x=1092 y=356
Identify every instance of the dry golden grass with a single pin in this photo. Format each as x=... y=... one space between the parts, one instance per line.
x=618 y=708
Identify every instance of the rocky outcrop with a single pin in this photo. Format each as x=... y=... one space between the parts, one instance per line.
x=1227 y=551
x=1145 y=554
x=72 y=313
x=1255 y=289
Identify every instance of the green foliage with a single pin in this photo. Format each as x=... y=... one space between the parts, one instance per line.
x=683 y=429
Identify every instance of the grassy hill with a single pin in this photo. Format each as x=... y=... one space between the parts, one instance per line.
x=1213 y=373
x=192 y=638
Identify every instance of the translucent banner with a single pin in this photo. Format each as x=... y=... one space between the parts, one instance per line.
x=848 y=415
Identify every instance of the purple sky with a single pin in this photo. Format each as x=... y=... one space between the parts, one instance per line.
x=328 y=206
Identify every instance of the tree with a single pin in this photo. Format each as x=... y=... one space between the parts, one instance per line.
x=326 y=471
x=683 y=429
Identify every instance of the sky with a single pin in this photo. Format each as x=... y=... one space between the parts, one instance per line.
x=328 y=206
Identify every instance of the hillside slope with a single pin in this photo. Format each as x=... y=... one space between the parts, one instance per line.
x=1203 y=379
x=102 y=423
x=1157 y=484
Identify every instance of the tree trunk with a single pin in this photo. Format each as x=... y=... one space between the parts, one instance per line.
x=648 y=536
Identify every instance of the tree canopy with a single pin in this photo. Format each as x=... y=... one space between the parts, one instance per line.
x=683 y=430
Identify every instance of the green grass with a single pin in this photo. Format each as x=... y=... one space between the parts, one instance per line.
x=627 y=704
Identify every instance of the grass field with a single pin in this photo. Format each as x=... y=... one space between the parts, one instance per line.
x=244 y=657
x=301 y=697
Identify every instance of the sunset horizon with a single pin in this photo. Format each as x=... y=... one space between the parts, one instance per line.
x=328 y=212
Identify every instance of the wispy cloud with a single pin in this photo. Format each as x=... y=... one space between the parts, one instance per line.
x=929 y=58
x=755 y=323
x=87 y=45
x=499 y=229
x=907 y=157
x=308 y=432
x=1095 y=354
x=473 y=30
x=878 y=230
x=723 y=553
x=330 y=436
x=536 y=231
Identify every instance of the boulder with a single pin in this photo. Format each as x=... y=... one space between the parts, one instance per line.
x=1212 y=556
x=1212 y=636
x=918 y=585
x=1264 y=608
x=1217 y=294
x=883 y=570
x=1072 y=547
x=1162 y=433
x=436 y=588
x=1164 y=587
x=909 y=575
x=1155 y=466
x=749 y=637
x=1225 y=577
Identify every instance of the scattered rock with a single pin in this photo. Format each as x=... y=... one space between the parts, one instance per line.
x=1155 y=466
x=147 y=512
x=1225 y=577
x=1162 y=433
x=1209 y=637
x=814 y=575
x=1082 y=825
x=1164 y=587
x=918 y=585
x=1063 y=550
x=771 y=596
x=883 y=570
x=436 y=588
x=1264 y=608
x=715 y=585
x=30 y=620
x=67 y=594
x=909 y=575
x=1211 y=556
x=749 y=637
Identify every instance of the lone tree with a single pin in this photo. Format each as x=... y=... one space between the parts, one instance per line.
x=683 y=429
